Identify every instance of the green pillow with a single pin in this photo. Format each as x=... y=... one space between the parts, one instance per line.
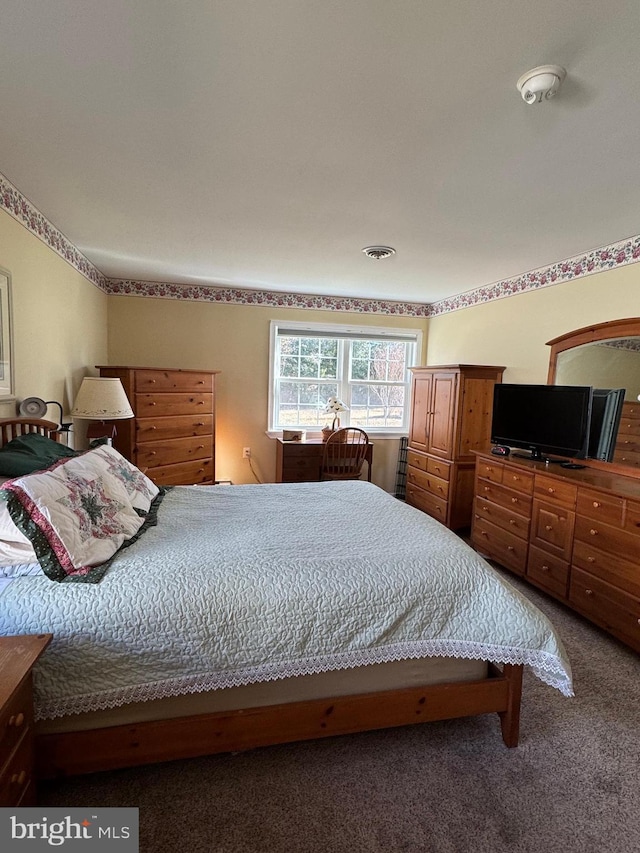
x=31 y=452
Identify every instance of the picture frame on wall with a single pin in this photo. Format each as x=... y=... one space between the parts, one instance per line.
x=6 y=340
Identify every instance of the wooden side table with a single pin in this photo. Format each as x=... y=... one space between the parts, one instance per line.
x=299 y=461
x=17 y=658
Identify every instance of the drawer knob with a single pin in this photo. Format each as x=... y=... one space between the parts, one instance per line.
x=514 y=500
x=16 y=720
x=487 y=488
x=593 y=532
x=19 y=778
x=200 y=423
x=483 y=533
x=152 y=382
x=597 y=504
x=548 y=527
x=485 y=509
x=200 y=447
x=545 y=568
x=551 y=490
x=510 y=548
x=591 y=559
x=152 y=404
x=512 y=521
x=201 y=402
x=154 y=427
x=588 y=592
x=515 y=477
x=201 y=382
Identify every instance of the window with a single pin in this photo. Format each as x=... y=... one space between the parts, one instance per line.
x=366 y=368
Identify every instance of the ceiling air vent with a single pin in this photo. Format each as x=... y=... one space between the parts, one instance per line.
x=378 y=252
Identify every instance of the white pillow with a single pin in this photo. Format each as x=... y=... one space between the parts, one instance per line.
x=15 y=548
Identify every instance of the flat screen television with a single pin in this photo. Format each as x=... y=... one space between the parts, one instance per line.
x=543 y=419
x=606 y=411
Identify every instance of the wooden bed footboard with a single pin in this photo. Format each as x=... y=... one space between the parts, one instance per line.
x=234 y=731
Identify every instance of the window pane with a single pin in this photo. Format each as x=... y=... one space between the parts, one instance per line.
x=309 y=346
x=309 y=367
x=289 y=366
x=377 y=405
x=329 y=347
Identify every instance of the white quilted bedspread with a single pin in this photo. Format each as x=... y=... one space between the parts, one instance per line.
x=239 y=584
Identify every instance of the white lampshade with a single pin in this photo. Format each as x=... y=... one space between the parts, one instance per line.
x=101 y=398
x=334 y=406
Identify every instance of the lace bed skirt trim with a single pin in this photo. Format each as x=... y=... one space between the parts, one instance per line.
x=547 y=667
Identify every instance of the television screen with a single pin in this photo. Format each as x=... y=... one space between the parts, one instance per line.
x=606 y=411
x=543 y=419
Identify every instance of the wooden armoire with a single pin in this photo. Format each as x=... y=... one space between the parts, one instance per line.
x=172 y=437
x=450 y=417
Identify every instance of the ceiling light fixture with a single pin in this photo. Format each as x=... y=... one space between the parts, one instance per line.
x=378 y=252
x=541 y=83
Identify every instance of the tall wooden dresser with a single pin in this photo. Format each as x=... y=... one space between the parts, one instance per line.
x=451 y=417
x=172 y=437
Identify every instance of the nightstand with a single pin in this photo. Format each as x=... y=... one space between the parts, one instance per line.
x=17 y=658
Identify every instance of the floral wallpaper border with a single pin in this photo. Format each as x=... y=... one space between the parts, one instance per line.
x=598 y=260
x=16 y=205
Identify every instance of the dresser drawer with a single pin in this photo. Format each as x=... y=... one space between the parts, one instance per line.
x=16 y=717
x=520 y=481
x=167 y=405
x=607 y=605
x=428 y=482
x=502 y=517
x=172 y=380
x=16 y=775
x=618 y=571
x=427 y=502
x=157 y=453
x=300 y=469
x=182 y=474
x=548 y=571
x=156 y=429
x=555 y=490
x=501 y=545
x=515 y=501
x=607 y=538
x=492 y=471
x=552 y=528
x=626 y=455
x=439 y=468
x=417 y=460
x=600 y=506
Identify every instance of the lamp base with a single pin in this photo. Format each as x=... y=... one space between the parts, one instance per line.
x=101 y=429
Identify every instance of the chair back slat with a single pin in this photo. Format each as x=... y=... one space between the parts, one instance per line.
x=344 y=453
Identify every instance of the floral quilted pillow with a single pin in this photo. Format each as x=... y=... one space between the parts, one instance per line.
x=76 y=515
x=139 y=487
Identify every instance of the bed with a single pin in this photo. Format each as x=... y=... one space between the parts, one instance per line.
x=254 y=615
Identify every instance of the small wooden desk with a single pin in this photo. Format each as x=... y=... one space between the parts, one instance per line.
x=299 y=461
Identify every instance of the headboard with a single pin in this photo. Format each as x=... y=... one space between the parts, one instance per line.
x=13 y=427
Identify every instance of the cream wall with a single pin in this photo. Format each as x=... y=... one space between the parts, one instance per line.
x=59 y=320
x=513 y=331
x=234 y=339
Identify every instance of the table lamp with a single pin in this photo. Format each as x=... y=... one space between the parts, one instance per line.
x=101 y=399
x=334 y=407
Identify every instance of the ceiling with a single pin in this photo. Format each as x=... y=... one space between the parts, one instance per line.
x=264 y=144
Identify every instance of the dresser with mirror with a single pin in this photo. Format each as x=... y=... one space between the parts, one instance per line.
x=606 y=355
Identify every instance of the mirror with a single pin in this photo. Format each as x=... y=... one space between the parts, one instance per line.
x=606 y=355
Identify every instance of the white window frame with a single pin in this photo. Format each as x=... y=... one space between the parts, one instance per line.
x=348 y=332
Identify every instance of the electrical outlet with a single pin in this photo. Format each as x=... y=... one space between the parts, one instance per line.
x=246 y=453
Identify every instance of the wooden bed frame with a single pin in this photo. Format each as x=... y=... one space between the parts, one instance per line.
x=232 y=731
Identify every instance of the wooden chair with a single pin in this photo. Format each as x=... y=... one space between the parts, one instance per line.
x=344 y=453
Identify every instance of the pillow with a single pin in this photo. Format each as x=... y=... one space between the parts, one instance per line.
x=76 y=516
x=15 y=548
x=139 y=487
x=31 y=452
